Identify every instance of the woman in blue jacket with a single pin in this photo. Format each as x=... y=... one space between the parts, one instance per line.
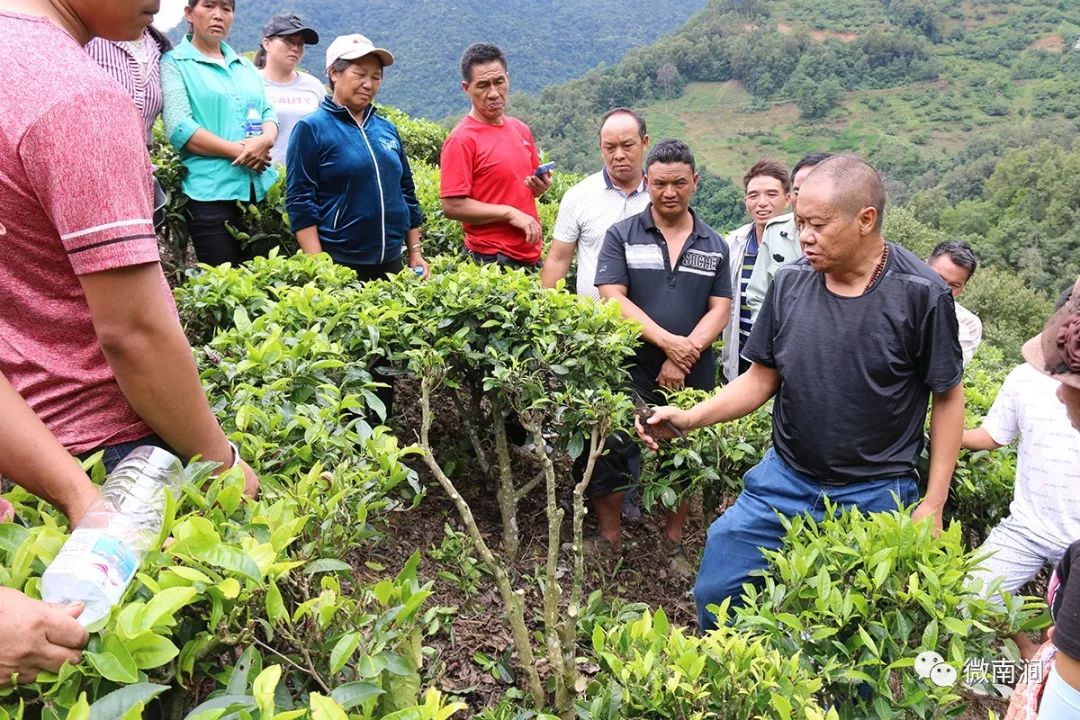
x=349 y=189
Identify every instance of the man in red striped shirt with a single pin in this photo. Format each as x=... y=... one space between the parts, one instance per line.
x=89 y=334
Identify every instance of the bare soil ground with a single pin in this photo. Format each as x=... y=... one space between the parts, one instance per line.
x=475 y=626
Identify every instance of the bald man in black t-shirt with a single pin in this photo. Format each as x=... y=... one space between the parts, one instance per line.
x=853 y=340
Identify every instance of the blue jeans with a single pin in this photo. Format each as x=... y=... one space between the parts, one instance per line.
x=1060 y=701
x=115 y=453
x=736 y=538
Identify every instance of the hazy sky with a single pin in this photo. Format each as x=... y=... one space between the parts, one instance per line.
x=171 y=12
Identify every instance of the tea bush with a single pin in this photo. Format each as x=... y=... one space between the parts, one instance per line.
x=649 y=669
x=983 y=482
x=251 y=605
x=439 y=235
x=712 y=459
x=501 y=346
x=210 y=298
x=236 y=589
x=859 y=597
x=290 y=367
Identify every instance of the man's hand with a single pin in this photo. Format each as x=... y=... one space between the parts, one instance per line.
x=39 y=637
x=931 y=509
x=682 y=351
x=538 y=185
x=251 y=480
x=527 y=224
x=656 y=429
x=671 y=376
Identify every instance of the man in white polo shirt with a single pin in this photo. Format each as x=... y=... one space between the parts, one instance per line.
x=599 y=201
x=1044 y=517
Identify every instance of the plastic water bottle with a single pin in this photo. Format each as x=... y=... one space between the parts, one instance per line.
x=106 y=548
x=253 y=125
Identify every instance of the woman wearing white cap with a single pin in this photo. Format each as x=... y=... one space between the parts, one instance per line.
x=292 y=92
x=349 y=188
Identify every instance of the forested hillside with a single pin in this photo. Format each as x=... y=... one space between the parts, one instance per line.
x=936 y=93
x=547 y=41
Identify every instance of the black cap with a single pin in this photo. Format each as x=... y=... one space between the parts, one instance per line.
x=289 y=24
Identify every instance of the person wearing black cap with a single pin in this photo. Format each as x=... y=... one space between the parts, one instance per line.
x=292 y=92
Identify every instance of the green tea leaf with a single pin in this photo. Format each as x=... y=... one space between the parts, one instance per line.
x=118 y=703
x=161 y=607
x=109 y=666
x=343 y=651
x=263 y=690
x=232 y=559
x=326 y=565
x=150 y=651
x=352 y=694
x=324 y=708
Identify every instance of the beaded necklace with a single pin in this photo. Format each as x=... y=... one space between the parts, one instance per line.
x=878 y=270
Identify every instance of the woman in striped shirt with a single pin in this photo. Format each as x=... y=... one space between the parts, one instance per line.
x=136 y=65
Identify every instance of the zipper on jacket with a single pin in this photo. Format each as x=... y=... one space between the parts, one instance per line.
x=378 y=179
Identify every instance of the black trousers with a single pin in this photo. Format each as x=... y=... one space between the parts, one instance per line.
x=210 y=237
x=502 y=260
x=115 y=453
x=378 y=271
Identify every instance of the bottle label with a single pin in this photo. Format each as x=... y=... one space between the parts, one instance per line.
x=95 y=554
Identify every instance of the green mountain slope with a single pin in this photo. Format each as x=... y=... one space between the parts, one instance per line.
x=912 y=83
x=947 y=98
x=547 y=41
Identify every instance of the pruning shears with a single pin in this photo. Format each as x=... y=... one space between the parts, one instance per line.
x=644 y=412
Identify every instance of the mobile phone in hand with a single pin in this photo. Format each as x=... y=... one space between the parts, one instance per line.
x=544 y=169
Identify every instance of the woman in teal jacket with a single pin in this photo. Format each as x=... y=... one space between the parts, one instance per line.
x=349 y=188
x=217 y=116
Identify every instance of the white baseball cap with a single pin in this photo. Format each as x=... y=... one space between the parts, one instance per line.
x=351 y=47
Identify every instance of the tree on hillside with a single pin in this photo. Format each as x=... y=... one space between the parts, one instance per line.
x=669 y=80
x=917 y=15
x=748 y=9
x=816 y=99
x=720 y=202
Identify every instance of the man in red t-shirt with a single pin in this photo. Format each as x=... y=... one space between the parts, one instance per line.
x=488 y=164
x=89 y=334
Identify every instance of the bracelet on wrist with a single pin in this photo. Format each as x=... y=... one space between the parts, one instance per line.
x=235 y=455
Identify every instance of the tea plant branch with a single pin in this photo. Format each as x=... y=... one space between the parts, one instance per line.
x=294 y=664
x=470 y=429
x=528 y=487
x=552 y=593
x=506 y=494
x=512 y=600
x=597 y=438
